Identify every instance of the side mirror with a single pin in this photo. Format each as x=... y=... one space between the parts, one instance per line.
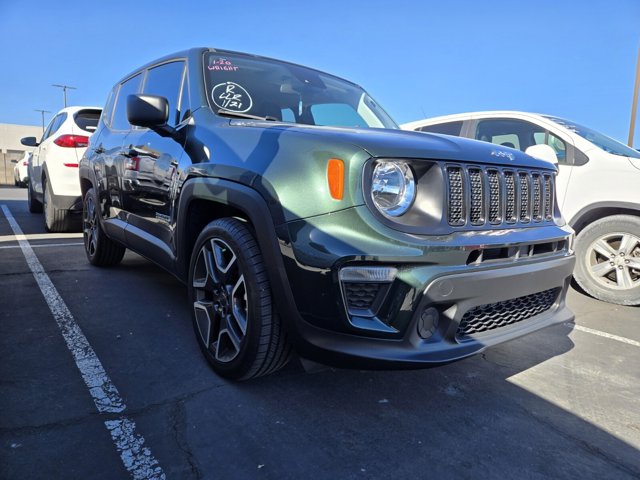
x=150 y=111
x=543 y=152
x=29 y=142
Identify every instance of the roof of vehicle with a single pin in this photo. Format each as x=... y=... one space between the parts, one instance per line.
x=201 y=50
x=468 y=115
x=77 y=108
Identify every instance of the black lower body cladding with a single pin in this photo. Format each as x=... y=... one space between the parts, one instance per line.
x=368 y=297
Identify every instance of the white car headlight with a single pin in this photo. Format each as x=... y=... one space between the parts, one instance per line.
x=393 y=187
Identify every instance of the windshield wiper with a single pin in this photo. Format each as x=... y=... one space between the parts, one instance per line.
x=230 y=113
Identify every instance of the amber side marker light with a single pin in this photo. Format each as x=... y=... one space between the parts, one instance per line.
x=335 y=178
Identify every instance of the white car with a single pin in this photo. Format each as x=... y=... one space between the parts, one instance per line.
x=598 y=187
x=21 y=170
x=54 y=185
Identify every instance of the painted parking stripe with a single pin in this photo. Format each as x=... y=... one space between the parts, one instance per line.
x=44 y=245
x=136 y=458
x=42 y=236
x=610 y=336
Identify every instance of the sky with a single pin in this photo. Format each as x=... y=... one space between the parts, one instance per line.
x=570 y=58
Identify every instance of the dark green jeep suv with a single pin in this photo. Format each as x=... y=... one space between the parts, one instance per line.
x=300 y=216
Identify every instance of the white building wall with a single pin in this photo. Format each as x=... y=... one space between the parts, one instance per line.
x=12 y=149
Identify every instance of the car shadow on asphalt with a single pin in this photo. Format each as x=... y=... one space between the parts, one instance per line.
x=462 y=420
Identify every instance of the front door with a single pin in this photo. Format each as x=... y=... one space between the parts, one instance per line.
x=151 y=166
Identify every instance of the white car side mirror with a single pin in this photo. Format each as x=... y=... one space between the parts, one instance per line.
x=543 y=152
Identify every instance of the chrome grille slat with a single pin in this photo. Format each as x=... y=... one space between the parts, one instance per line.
x=486 y=195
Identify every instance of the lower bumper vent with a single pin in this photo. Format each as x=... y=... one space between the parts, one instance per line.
x=360 y=296
x=496 y=315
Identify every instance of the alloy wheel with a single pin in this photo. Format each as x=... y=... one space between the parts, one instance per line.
x=90 y=226
x=220 y=303
x=614 y=260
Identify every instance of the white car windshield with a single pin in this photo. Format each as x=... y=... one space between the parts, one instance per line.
x=600 y=140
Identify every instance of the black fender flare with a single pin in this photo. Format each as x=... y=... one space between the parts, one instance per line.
x=581 y=219
x=256 y=209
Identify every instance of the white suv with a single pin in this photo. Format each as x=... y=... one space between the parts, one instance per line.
x=54 y=185
x=21 y=170
x=598 y=186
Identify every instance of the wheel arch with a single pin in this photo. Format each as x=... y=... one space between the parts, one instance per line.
x=203 y=200
x=600 y=210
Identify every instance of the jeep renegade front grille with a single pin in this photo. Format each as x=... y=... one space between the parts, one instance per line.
x=479 y=196
x=496 y=315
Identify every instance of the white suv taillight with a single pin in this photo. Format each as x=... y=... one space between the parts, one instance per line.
x=72 y=141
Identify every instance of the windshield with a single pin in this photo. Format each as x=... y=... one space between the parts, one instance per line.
x=241 y=85
x=600 y=140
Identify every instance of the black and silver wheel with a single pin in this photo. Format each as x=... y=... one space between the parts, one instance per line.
x=100 y=249
x=55 y=219
x=236 y=325
x=34 y=205
x=608 y=259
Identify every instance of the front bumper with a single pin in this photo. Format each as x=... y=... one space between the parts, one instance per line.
x=434 y=275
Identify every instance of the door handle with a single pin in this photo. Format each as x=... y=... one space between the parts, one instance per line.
x=132 y=151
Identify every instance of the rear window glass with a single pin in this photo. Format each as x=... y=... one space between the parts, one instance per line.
x=449 y=128
x=87 y=120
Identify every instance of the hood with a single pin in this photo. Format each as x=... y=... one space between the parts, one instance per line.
x=388 y=143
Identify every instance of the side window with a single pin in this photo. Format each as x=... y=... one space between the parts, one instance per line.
x=47 y=131
x=509 y=133
x=558 y=145
x=107 y=112
x=519 y=134
x=166 y=80
x=54 y=125
x=449 y=128
x=130 y=87
x=185 y=102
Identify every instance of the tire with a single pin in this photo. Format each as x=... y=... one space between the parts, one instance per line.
x=34 y=205
x=101 y=250
x=236 y=325
x=55 y=219
x=608 y=259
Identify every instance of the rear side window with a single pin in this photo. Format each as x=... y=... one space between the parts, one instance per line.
x=449 y=128
x=54 y=126
x=166 y=81
x=130 y=87
x=87 y=120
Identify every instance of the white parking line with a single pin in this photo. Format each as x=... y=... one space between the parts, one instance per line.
x=44 y=245
x=606 y=335
x=41 y=236
x=136 y=458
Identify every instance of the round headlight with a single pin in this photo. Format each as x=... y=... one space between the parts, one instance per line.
x=393 y=188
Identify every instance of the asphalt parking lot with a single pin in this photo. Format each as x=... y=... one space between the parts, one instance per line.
x=560 y=403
